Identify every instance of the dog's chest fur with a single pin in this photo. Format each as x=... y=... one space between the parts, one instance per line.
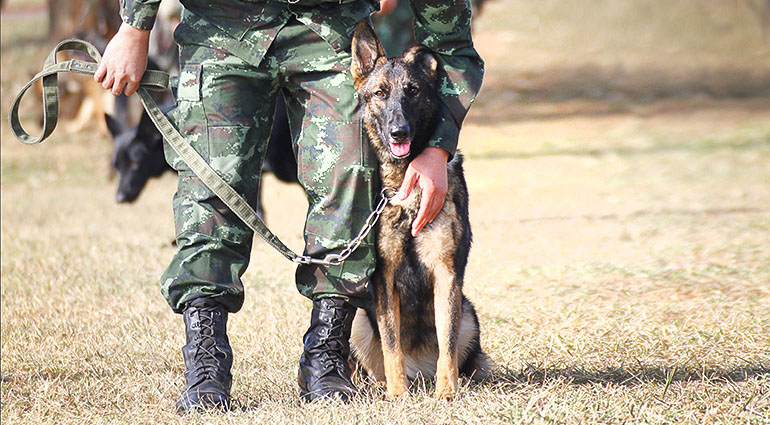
x=414 y=260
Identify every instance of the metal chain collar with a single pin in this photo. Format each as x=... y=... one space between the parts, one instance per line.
x=386 y=194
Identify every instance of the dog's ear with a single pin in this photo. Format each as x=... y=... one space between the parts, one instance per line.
x=367 y=51
x=422 y=57
x=146 y=130
x=113 y=125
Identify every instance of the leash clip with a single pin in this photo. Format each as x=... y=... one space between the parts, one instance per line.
x=329 y=260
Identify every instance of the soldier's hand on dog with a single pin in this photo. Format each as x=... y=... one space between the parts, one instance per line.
x=124 y=61
x=428 y=170
x=387 y=6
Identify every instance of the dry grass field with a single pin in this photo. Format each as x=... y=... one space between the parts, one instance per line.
x=618 y=162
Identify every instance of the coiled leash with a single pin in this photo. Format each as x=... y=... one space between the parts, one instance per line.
x=159 y=81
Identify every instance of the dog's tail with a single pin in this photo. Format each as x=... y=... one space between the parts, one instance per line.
x=477 y=367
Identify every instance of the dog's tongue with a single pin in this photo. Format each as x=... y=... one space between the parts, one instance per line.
x=400 y=149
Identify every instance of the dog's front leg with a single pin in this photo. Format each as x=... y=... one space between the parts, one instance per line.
x=388 y=308
x=447 y=299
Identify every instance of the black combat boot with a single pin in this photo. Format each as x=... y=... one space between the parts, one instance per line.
x=323 y=368
x=207 y=357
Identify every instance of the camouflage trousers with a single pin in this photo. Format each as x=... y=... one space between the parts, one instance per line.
x=225 y=109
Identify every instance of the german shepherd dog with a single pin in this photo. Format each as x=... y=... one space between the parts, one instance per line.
x=420 y=324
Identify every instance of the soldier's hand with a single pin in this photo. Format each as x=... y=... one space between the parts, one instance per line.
x=124 y=60
x=428 y=170
x=387 y=6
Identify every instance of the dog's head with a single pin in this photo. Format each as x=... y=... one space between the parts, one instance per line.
x=398 y=96
x=137 y=156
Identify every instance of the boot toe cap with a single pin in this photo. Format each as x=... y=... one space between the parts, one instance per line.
x=198 y=401
x=331 y=388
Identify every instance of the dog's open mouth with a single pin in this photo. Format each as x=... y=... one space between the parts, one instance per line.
x=399 y=149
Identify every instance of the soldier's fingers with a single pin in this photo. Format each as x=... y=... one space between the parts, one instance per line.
x=439 y=197
x=117 y=86
x=436 y=205
x=422 y=218
x=430 y=210
x=109 y=79
x=410 y=178
x=101 y=71
x=131 y=88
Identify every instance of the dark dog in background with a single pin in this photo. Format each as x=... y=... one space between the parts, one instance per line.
x=138 y=153
x=420 y=322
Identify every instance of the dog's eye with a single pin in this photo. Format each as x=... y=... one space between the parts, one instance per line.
x=412 y=90
x=379 y=93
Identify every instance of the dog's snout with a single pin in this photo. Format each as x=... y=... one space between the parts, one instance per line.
x=399 y=132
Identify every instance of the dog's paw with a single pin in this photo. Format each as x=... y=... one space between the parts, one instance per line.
x=446 y=389
x=397 y=389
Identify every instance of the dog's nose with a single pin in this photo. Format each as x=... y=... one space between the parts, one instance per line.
x=399 y=132
x=121 y=197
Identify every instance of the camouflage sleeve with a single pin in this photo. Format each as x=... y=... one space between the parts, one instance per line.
x=139 y=13
x=445 y=27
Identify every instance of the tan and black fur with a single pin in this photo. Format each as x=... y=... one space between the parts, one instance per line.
x=420 y=322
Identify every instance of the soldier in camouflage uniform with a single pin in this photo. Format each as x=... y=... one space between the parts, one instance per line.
x=234 y=58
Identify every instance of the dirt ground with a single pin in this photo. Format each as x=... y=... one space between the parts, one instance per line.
x=621 y=257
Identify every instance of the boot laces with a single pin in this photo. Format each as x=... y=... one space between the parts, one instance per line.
x=332 y=346
x=206 y=350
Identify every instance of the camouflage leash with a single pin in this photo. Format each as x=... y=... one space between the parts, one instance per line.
x=159 y=81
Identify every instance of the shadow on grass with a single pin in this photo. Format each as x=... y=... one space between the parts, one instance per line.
x=642 y=375
x=510 y=380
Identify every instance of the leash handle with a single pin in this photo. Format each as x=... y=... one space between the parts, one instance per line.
x=152 y=80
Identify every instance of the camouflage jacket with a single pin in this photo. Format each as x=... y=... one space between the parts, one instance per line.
x=442 y=25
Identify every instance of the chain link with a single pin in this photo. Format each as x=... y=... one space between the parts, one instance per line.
x=386 y=194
